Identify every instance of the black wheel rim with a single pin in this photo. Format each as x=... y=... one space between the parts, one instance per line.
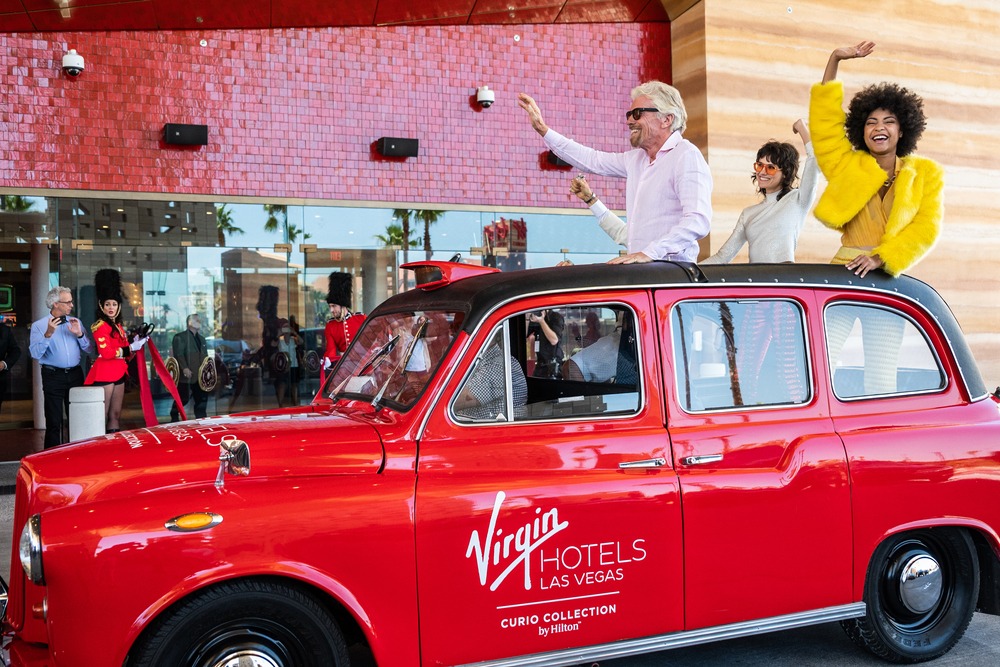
x=274 y=644
x=898 y=612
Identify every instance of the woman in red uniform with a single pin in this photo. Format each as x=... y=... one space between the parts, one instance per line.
x=113 y=349
x=343 y=325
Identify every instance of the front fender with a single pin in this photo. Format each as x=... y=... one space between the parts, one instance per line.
x=350 y=537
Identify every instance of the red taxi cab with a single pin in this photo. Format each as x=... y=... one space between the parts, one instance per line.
x=696 y=453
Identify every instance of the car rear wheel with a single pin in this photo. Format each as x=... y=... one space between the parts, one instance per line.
x=921 y=591
x=245 y=623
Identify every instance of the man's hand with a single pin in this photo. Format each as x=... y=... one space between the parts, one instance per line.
x=51 y=328
x=633 y=258
x=187 y=373
x=75 y=327
x=581 y=188
x=534 y=113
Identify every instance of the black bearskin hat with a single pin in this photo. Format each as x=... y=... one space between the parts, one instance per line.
x=340 y=289
x=267 y=301
x=108 y=285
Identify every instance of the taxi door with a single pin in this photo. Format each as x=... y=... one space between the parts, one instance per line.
x=557 y=525
x=764 y=478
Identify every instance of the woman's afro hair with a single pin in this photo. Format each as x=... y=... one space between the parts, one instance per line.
x=905 y=105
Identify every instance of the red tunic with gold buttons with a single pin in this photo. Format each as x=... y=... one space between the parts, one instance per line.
x=339 y=334
x=112 y=353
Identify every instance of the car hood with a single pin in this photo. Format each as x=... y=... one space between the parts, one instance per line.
x=306 y=443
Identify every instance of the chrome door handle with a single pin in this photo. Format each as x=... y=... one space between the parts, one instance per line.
x=658 y=462
x=698 y=460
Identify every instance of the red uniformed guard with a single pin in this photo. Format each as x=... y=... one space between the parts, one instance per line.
x=113 y=348
x=344 y=324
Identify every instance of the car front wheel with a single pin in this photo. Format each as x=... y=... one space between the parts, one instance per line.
x=258 y=623
x=921 y=591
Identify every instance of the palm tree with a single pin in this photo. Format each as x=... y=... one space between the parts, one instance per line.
x=394 y=237
x=429 y=218
x=403 y=215
x=16 y=203
x=274 y=212
x=224 y=221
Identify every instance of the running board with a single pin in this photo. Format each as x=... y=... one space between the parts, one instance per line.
x=656 y=643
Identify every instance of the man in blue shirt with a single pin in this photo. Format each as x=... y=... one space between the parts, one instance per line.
x=57 y=342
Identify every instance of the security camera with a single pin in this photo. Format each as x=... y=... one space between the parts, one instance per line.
x=485 y=97
x=73 y=63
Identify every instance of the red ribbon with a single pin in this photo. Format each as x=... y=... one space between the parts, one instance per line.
x=145 y=393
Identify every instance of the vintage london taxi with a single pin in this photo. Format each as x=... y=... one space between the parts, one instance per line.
x=697 y=453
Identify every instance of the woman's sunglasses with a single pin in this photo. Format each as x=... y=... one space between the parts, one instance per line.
x=636 y=114
x=768 y=169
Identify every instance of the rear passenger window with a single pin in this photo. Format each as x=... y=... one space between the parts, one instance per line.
x=738 y=354
x=583 y=361
x=878 y=352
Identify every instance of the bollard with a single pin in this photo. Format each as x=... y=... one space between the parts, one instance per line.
x=86 y=412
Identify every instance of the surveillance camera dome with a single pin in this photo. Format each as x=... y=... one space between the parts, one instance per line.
x=72 y=63
x=485 y=97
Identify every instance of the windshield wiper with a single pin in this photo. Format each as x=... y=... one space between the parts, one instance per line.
x=377 y=401
x=374 y=358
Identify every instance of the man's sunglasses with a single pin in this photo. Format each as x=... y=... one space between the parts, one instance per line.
x=636 y=114
x=768 y=169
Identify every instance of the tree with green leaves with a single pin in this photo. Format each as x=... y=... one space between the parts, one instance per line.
x=403 y=215
x=224 y=222
x=429 y=218
x=16 y=204
x=394 y=237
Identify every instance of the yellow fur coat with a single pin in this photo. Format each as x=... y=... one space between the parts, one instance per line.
x=854 y=178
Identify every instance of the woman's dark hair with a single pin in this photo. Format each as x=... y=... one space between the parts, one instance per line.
x=907 y=107
x=786 y=158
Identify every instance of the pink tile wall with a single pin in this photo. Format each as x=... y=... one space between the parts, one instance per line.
x=295 y=113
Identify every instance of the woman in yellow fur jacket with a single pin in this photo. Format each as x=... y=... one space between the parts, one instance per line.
x=887 y=202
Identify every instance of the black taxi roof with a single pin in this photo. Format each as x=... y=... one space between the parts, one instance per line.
x=478 y=295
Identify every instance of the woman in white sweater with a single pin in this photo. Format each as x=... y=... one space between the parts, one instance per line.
x=771 y=227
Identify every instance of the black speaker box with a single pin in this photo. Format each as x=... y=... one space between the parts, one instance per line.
x=397 y=147
x=185 y=135
x=557 y=161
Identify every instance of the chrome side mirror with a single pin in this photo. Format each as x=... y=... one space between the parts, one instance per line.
x=234 y=459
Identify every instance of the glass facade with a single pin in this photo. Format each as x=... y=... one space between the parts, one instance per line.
x=217 y=258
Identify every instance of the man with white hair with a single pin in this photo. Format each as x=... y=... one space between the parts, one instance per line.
x=668 y=191
x=58 y=342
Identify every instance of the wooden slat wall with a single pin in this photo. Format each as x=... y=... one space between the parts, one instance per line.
x=761 y=57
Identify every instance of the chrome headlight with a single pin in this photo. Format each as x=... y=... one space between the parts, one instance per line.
x=29 y=548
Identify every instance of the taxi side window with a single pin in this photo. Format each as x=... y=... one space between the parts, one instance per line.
x=878 y=352
x=494 y=390
x=582 y=361
x=738 y=354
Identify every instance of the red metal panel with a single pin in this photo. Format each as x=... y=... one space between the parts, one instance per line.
x=134 y=16
x=15 y=23
x=599 y=11
x=406 y=11
x=200 y=15
x=301 y=13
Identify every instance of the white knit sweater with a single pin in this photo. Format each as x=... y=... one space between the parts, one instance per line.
x=772 y=227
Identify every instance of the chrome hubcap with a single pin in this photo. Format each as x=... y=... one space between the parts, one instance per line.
x=247 y=658
x=920 y=584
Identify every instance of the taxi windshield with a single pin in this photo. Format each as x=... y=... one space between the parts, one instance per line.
x=393 y=357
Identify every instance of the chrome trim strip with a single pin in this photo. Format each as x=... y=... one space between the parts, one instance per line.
x=623 y=649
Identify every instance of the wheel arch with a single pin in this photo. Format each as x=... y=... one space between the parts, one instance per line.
x=987 y=543
x=342 y=607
